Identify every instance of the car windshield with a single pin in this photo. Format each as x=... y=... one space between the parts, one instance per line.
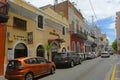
x=104 y=53
x=60 y=55
x=13 y=64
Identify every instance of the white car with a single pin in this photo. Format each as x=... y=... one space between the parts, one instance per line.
x=105 y=54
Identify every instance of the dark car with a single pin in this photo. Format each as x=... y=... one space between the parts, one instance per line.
x=66 y=59
x=82 y=56
x=28 y=68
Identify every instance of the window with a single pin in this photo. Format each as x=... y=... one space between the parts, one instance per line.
x=73 y=46
x=31 y=61
x=72 y=26
x=41 y=61
x=63 y=30
x=40 y=22
x=77 y=29
x=19 y=23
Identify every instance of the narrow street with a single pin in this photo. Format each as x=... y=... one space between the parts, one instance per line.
x=95 y=69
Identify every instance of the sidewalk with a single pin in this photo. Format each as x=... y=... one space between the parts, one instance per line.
x=117 y=72
x=2 y=78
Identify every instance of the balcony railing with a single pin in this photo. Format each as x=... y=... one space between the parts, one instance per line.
x=3 y=12
x=93 y=36
x=80 y=35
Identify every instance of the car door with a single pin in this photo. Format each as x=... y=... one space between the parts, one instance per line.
x=74 y=57
x=32 y=65
x=43 y=66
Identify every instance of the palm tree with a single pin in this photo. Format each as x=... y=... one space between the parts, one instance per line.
x=48 y=48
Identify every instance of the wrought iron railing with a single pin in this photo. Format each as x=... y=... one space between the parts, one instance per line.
x=80 y=35
x=3 y=8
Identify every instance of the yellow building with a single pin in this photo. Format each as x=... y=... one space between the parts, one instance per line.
x=118 y=31
x=105 y=42
x=30 y=29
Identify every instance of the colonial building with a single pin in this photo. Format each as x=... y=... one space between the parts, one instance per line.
x=3 y=19
x=105 y=42
x=118 y=31
x=90 y=38
x=75 y=18
x=30 y=30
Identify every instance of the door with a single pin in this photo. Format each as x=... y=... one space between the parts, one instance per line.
x=2 y=48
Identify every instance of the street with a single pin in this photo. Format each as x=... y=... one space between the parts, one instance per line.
x=94 y=69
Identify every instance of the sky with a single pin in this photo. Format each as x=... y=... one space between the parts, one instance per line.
x=103 y=12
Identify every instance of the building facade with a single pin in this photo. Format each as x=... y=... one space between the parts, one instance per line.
x=105 y=42
x=75 y=18
x=3 y=19
x=30 y=30
x=118 y=31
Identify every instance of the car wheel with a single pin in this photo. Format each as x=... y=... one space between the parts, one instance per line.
x=79 y=61
x=71 y=64
x=52 y=71
x=29 y=76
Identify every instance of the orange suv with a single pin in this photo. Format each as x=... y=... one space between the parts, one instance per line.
x=28 y=68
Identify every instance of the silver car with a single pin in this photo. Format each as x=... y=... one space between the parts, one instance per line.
x=105 y=54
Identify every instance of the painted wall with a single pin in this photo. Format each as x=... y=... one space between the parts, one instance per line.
x=2 y=44
x=2 y=48
x=40 y=36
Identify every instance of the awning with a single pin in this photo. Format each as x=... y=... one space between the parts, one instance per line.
x=94 y=45
x=59 y=40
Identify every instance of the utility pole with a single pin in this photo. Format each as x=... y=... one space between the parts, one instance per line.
x=92 y=20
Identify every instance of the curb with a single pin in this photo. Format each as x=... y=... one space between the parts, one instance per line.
x=113 y=73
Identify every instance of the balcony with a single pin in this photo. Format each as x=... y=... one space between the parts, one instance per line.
x=3 y=12
x=93 y=36
x=80 y=35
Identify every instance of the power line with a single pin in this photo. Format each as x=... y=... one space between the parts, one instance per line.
x=92 y=9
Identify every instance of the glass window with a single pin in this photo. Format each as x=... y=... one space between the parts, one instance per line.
x=63 y=30
x=19 y=23
x=40 y=22
x=31 y=61
x=13 y=64
x=72 y=26
x=41 y=60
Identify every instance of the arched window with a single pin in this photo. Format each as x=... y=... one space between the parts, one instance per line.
x=20 y=50
x=73 y=46
x=40 y=51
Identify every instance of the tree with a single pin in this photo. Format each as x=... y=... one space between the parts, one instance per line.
x=48 y=48
x=114 y=45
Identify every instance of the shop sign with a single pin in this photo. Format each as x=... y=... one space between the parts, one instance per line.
x=30 y=37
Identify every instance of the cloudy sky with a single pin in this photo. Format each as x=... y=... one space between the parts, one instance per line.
x=103 y=12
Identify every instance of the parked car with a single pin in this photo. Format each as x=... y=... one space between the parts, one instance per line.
x=82 y=56
x=66 y=59
x=28 y=68
x=110 y=52
x=89 y=55
x=94 y=54
x=105 y=54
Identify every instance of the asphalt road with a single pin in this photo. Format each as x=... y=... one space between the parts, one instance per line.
x=95 y=69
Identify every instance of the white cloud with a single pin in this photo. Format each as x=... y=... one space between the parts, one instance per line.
x=102 y=8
